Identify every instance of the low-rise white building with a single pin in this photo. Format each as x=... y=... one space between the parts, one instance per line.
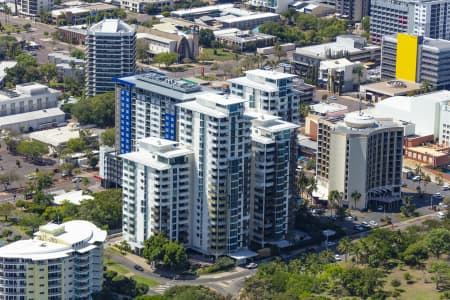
x=157 y=192
x=277 y=6
x=139 y=6
x=339 y=75
x=27 y=97
x=269 y=92
x=34 y=120
x=61 y=262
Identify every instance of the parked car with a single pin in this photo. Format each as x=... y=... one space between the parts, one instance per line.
x=337 y=257
x=359 y=228
x=348 y=218
x=446 y=188
x=380 y=207
x=438 y=196
x=251 y=265
x=440 y=215
x=365 y=224
x=404 y=184
x=416 y=178
x=373 y=223
x=443 y=205
x=139 y=268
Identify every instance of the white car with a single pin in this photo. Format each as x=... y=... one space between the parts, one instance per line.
x=437 y=196
x=373 y=223
x=349 y=218
x=380 y=208
x=329 y=243
x=440 y=215
x=416 y=178
x=337 y=257
x=443 y=205
x=446 y=188
x=252 y=266
x=365 y=224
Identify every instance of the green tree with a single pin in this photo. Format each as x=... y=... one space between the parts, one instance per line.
x=438 y=241
x=7 y=178
x=335 y=198
x=191 y=293
x=441 y=271
x=33 y=150
x=77 y=53
x=408 y=209
x=6 y=210
x=356 y=196
x=160 y=249
x=43 y=180
x=98 y=110
x=108 y=137
x=76 y=145
x=365 y=24
x=154 y=247
x=279 y=52
x=415 y=254
x=206 y=37
x=345 y=246
x=105 y=210
x=175 y=255
x=141 y=50
x=31 y=220
x=166 y=58
x=304 y=109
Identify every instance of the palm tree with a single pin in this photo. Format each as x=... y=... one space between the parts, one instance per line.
x=311 y=187
x=302 y=182
x=335 y=198
x=278 y=51
x=345 y=246
x=358 y=70
x=356 y=196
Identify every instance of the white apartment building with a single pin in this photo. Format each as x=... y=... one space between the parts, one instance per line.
x=61 y=262
x=360 y=153
x=216 y=129
x=138 y=6
x=111 y=52
x=428 y=18
x=31 y=8
x=270 y=180
x=338 y=75
x=269 y=92
x=27 y=97
x=157 y=192
x=276 y=6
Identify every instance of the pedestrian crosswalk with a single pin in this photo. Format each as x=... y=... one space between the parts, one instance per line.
x=160 y=289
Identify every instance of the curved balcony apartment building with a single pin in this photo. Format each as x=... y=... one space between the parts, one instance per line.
x=111 y=52
x=360 y=153
x=61 y=262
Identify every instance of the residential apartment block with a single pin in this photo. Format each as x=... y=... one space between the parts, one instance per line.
x=111 y=52
x=270 y=184
x=157 y=191
x=276 y=6
x=269 y=92
x=61 y=262
x=139 y=6
x=31 y=8
x=429 y=18
x=363 y=154
x=216 y=129
x=353 y=10
x=416 y=59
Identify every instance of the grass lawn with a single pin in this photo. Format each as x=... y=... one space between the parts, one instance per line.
x=115 y=267
x=150 y=282
x=421 y=289
x=114 y=250
x=220 y=54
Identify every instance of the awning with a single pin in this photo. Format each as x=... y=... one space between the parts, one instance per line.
x=242 y=254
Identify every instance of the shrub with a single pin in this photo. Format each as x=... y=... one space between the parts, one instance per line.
x=6 y=232
x=222 y=264
x=395 y=283
x=17 y=237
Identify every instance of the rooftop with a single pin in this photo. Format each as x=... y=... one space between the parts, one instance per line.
x=33 y=115
x=391 y=87
x=6 y=64
x=111 y=26
x=325 y=108
x=82 y=8
x=74 y=197
x=26 y=90
x=63 y=238
x=270 y=74
x=233 y=19
x=57 y=136
x=337 y=63
x=433 y=151
x=212 y=104
x=199 y=10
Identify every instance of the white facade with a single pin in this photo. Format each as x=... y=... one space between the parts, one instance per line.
x=424 y=111
x=360 y=154
x=269 y=92
x=270 y=179
x=138 y=6
x=157 y=192
x=61 y=262
x=277 y=6
x=111 y=52
x=218 y=132
x=32 y=121
x=429 y=18
x=444 y=125
x=27 y=97
x=340 y=69
x=31 y=8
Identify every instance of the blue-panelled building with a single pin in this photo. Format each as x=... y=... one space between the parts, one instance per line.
x=145 y=107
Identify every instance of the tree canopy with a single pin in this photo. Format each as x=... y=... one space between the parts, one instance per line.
x=206 y=37
x=161 y=250
x=33 y=150
x=108 y=137
x=166 y=58
x=98 y=110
